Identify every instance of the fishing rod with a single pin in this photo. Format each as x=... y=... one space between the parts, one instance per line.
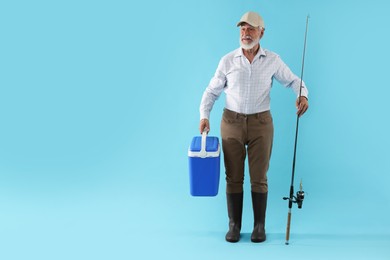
x=300 y=195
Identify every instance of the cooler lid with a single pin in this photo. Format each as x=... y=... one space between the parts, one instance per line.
x=212 y=144
x=212 y=148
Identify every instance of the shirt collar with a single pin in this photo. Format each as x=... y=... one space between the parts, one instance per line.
x=260 y=53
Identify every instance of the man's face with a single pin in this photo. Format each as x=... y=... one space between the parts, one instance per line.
x=250 y=36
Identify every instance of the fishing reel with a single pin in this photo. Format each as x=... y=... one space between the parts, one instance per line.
x=298 y=198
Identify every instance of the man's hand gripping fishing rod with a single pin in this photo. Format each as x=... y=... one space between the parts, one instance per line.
x=300 y=194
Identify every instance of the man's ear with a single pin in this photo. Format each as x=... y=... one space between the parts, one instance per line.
x=262 y=32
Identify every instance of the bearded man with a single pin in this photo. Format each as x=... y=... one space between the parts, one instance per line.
x=246 y=76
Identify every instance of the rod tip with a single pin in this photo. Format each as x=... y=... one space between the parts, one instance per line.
x=287 y=243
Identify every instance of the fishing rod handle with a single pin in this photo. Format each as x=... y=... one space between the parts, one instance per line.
x=288 y=227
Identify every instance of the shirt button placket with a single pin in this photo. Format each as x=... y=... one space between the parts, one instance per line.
x=248 y=92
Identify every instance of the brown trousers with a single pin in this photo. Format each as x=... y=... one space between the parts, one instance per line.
x=242 y=134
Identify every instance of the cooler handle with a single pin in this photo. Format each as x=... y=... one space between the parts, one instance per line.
x=203 y=153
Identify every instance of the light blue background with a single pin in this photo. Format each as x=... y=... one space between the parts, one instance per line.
x=99 y=101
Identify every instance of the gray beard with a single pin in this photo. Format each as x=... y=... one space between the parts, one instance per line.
x=248 y=46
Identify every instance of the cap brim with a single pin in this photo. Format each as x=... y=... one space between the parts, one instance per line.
x=241 y=22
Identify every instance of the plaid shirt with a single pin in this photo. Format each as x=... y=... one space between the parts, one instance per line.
x=247 y=85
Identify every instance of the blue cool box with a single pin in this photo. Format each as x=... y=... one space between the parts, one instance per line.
x=204 y=165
